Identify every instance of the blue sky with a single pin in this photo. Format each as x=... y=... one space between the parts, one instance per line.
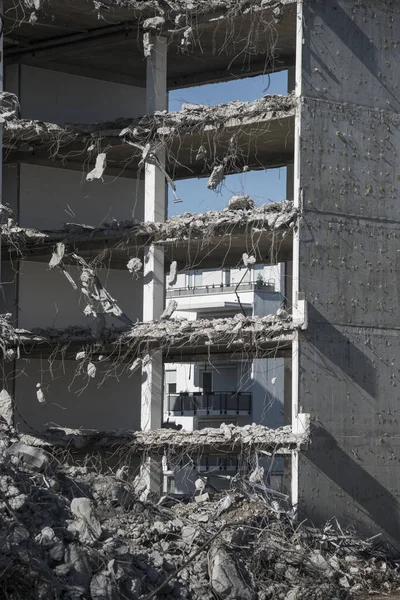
x=262 y=186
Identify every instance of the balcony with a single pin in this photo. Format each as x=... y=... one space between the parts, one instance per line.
x=222 y=288
x=223 y=403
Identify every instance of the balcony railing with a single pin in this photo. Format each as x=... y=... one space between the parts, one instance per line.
x=222 y=288
x=209 y=403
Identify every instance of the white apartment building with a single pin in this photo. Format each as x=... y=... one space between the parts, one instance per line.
x=235 y=390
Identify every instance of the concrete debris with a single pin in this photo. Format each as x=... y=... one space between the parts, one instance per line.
x=99 y=168
x=173 y=273
x=92 y=537
x=169 y=310
x=6 y=407
x=248 y=261
x=93 y=290
x=277 y=216
x=91 y=370
x=225 y=580
x=241 y=203
x=153 y=23
x=147 y=131
x=217 y=176
x=201 y=153
x=6 y=215
x=148 y=46
x=80 y=355
x=40 y=394
x=86 y=524
x=57 y=256
x=134 y=265
x=135 y=365
x=172 y=441
x=281 y=313
x=238 y=332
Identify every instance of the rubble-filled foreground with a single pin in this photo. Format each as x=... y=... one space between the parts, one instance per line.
x=71 y=532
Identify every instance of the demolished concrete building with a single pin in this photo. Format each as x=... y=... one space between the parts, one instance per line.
x=86 y=244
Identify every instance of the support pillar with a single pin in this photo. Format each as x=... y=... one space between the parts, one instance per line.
x=155 y=208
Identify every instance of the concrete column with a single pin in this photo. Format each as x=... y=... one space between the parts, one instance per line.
x=155 y=208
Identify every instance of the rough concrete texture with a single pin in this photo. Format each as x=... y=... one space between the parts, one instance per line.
x=349 y=240
x=242 y=544
x=277 y=216
x=142 y=131
x=238 y=333
x=225 y=439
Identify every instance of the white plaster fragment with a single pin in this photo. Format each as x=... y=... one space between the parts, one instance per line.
x=99 y=168
x=169 y=310
x=6 y=410
x=57 y=255
x=134 y=265
x=216 y=177
x=80 y=355
x=39 y=394
x=248 y=261
x=91 y=370
x=173 y=274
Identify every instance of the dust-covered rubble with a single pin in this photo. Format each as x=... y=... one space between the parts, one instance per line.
x=72 y=532
x=238 y=332
x=228 y=437
x=240 y=217
x=141 y=131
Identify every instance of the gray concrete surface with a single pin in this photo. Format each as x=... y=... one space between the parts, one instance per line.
x=349 y=258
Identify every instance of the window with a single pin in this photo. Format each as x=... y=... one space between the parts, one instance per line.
x=227 y=277
x=206 y=381
x=171 y=388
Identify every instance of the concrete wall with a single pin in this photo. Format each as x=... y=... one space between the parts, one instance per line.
x=50 y=197
x=349 y=260
x=46 y=198
x=63 y=98
x=73 y=399
x=47 y=299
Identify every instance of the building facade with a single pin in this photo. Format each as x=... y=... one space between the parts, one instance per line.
x=85 y=253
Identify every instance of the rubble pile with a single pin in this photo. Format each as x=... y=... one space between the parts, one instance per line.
x=142 y=130
x=70 y=532
x=237 y=332
x=228 y=437
x=241 y=215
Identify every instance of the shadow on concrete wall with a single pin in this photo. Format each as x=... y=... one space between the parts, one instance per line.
x=351 y=35
x=376 y=501
x=335 y=346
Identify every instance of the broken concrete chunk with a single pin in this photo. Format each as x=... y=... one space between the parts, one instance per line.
x=91 y=370
x=80 y=355
x=282 y=313
x=40 y=394
x=30 y=455
x=57 y=255
x=153 y=23
x=248 y=261
x=134 y=265
x=86 y=523
x=103 y=588
x=225 y=580
x=135 y=365
x=201 y=153
x=241 y=203
x=169 y=310
x=217 y=176
x=173 y=274
x=6 y=407
x=99 y=168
